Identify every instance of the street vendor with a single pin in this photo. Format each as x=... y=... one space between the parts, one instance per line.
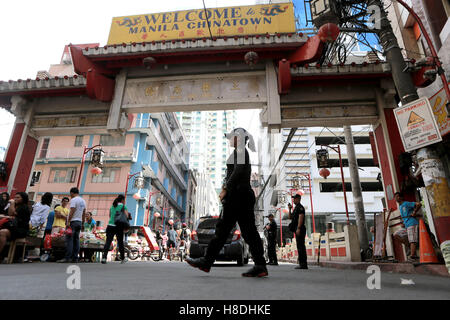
x=90 y=225
x=61 y=214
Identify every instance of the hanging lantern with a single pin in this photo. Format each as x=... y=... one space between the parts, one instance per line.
x=329 y=32
x=281 y=198
x=96 y=170
x=157 y=215
x=139 y=182
x=296 y=182
x=322 y=158
x=97 y=157
x=301 y=192
x=3 y=170
x=304 y=183
x=149 y=62
x=171 y=222
x=285 y=215
x=324 y=172
x=251 y=58
x=136 y=196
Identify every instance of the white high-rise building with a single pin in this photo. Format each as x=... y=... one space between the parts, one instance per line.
x=300 y=160
x=209 y=149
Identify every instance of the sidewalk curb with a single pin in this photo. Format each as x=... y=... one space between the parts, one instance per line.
x=405 y=268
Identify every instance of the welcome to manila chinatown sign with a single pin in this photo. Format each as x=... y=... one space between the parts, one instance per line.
x=193 y=24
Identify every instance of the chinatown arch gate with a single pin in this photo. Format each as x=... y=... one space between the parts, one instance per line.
x=279 y=75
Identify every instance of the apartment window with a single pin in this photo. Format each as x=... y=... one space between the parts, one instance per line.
x=334 y=163
x=337 y=187
x=44 y=148
x=78 y=141
x=341 y=140
x=36 y=177
x=62 y=175
x=109 y=175
x=108 y=140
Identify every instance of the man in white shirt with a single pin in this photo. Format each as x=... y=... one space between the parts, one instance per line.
x=75 y=221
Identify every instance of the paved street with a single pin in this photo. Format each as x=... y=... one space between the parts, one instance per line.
x=175 y=280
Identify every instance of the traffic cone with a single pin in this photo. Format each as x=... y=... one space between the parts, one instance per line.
x=426 y=250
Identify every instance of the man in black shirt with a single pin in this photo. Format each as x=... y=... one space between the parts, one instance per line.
x=238 y=200
x=298 y=226
x=272 y=241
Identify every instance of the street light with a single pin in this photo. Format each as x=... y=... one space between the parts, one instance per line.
x=324 y=161
x=129 y=176
x=96 y=160
x=282 y=201
x=147 y=217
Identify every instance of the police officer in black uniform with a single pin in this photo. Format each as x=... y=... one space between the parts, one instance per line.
x=238 y=200
x=298 y=227
x=271 y=228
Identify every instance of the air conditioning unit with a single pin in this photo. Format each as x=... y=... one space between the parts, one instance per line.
x=324 y=11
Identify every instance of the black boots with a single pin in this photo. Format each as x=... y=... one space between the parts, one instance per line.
x=200 y=263
x=256 y=271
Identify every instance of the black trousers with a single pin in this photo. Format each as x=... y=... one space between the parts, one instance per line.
x=272 y=250
x=112 y=231
x=301 y=247
x=238 y=208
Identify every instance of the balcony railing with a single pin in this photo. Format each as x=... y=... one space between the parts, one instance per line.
x=77 y=153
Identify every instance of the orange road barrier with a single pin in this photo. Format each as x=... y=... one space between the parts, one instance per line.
x=427 y=254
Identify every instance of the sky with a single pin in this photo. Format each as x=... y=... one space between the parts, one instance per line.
x=33 y=33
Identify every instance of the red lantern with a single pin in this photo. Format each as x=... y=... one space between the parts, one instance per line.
x=301 y=192
x=157 y=215
x=149 y=62
x=285 y=211
x=171 y=222
x=329 y=32
x=136 y=196
x=96 y=170
x=324 y=172
x=251 y=58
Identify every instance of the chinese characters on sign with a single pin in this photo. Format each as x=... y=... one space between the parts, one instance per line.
x=417 y=125
x=189 y=24
x=238 y=88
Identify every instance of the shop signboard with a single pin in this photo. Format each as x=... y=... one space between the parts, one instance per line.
x=417 y=124
x=203 y=23
x=438 y=102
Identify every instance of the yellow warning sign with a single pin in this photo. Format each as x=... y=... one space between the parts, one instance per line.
x=417 y=125
x=414 y=119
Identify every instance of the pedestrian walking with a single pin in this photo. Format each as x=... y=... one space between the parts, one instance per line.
x=298 y=227
x=74 y=226
x=19 y=218
x=112 y=229
x=238 y=200
x=172 y=240
x=271 y=228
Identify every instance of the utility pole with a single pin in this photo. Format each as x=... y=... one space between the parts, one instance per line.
x=432 y=167
x=356 y=190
